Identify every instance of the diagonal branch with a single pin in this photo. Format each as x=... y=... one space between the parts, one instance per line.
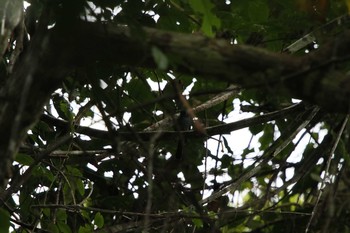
x=270 y=153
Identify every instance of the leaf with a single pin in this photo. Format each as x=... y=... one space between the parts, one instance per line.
x=53 y=228
x=267 y=137
x=24 y=159
x=4 y=221
x=173 y=20
x=160 y=58
x=198 y=222
x=63 y=227
x=254 y=224
x=46 y=212
x=99 y=220
x=62 y=107
x=61 y=215
x=80 y=186
x=86 y=229
x=316 y=177
x=75 y=182
x=226 y=161
x=85 y=214
x=209 y=20
x=255 y=129
x=228 y=148
x=43 y=172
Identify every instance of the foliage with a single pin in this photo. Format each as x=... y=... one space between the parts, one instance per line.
x=101 y=159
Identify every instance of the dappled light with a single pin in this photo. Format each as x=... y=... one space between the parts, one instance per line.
x=174 y=116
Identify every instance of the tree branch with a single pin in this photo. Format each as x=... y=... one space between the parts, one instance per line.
x=53 y=52
x=309 y=77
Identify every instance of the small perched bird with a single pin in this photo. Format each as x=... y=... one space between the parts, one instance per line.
x=183 y=123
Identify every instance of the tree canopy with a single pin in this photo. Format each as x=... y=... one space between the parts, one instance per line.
x=116 y=116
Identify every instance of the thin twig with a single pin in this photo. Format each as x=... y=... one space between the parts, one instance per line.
x=17 y=183
x=150 y=180
x=326 y=172
x=231 y=91
x=272 y=151
x=210 y=131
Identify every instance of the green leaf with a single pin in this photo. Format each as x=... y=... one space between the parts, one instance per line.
x=53 y=228
x=267 y=137
x=24 y=159
x=63 y=227
x=4 y=221
x=254 y=224
x=62 y=107
x=173 y=20
x=160 y=58
x=69 y=192
x=46 y=212
x=75 y=182
x=80 y=186
x=316 y=177
x=255 y=129
x=99 y=220
x=198 y=222
x=210 y=20
x=85 y=214
x=40 y=171
x=61 y=215
x=86 y=229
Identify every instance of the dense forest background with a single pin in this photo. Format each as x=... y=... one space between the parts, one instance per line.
x=107 y=108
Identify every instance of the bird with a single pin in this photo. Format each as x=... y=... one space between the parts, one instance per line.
x=183 y=123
